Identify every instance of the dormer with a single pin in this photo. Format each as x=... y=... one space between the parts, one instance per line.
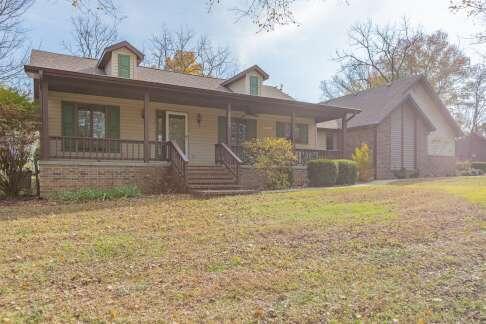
x=249 y=81
x=120 y=59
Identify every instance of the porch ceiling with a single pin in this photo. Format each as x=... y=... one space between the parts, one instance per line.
x=133 y=89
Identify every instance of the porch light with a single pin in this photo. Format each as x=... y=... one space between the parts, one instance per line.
x=199 y=119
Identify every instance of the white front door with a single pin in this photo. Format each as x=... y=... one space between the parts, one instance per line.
x=176 y=129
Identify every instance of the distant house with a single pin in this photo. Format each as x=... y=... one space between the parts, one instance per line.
x=471 y=148
x=111 y=121
x=406 y=125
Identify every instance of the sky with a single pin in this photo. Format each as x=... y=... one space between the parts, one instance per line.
x=296 y=56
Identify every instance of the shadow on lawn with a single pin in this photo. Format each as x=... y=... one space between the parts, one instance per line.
x=11 y=209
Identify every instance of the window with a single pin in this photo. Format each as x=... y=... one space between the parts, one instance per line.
x=330 y=141
x=301 y=132
x=89 y=121
x=124 y=66
x=254 y=85
x=242 y=130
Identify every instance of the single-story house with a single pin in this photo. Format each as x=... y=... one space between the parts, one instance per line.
x=111 y=121
x=471 y=148
x=405 y=124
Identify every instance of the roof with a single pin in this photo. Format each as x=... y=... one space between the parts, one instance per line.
x=377 y=103
x=243 y=73
x=106 y=55
x=42 y=59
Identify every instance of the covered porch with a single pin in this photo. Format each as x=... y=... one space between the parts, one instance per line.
x=171 y=123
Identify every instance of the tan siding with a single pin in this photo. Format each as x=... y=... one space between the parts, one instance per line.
x=441 y=142
x=202 y=138
x=114 y=62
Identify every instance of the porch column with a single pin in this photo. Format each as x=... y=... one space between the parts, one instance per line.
x=228 y=125
x=146 y=123
x=292 y=127
x=344 y=127
x=44 y=101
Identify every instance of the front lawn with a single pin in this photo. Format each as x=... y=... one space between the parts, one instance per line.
x=413 y=251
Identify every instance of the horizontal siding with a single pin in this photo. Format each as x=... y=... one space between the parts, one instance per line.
x=408 y=138
x=202 y=138
x=396 y=139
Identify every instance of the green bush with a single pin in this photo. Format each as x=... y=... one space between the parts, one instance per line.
x=87 y=194
x=347 y=172
x=274 y=157
x=479 y=166
x=322 y=173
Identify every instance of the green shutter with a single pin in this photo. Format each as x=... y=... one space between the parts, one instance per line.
x=68 y=125
x=254 y=85
x=251 y=129
x=303 y=134
x=281 y=129
x=113 y=127
x=124 y=66
x=222 y=129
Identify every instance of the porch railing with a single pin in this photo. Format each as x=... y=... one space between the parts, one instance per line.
x=224 y=155
x=104 y=149
x=178 y=160
x=303 y=155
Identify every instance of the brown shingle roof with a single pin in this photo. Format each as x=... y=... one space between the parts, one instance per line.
x=377 y=103
x=43 y=59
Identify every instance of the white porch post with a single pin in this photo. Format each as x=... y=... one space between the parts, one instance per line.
x=228 y=125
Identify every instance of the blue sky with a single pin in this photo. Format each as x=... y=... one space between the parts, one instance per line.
x=298 y=57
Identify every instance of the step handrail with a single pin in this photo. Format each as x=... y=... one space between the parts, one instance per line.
x=178 y=160
x=224 y=155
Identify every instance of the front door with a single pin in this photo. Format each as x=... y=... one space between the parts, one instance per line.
x=176 y=129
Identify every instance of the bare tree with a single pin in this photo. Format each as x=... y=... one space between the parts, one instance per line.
x=109 y=7
x=91 y=34
x=213 y=61
x=12 y=38
x=473 y=112
x=475 y=9
x=379 y=55
x=265 y=14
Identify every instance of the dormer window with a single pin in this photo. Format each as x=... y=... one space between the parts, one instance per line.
x=120 y=60
x=124 y=66
x=254 y=85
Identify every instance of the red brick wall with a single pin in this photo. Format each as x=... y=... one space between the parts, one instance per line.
x=71 y=175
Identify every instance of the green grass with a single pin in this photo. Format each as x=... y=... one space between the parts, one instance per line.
x=87 y=194
x=412 y=252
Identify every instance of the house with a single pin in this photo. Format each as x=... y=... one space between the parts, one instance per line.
x=405 y=124
x=111 y=121
x=471 y=148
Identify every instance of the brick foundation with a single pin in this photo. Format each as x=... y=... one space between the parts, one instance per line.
x=71 y=175
x=439 y=166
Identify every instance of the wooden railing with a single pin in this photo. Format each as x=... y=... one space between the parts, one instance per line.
x=178 y=160
x=104 y=149
x=224 y=155
x=303 y=155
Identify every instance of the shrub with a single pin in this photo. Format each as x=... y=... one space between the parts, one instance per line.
x=405 y=174
x=18 y=131
x=87 y=194
x=275 y=158
x=322 y=173
x=347 y=172
x=362 y=157
x=15 y=152
x=479 y=166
